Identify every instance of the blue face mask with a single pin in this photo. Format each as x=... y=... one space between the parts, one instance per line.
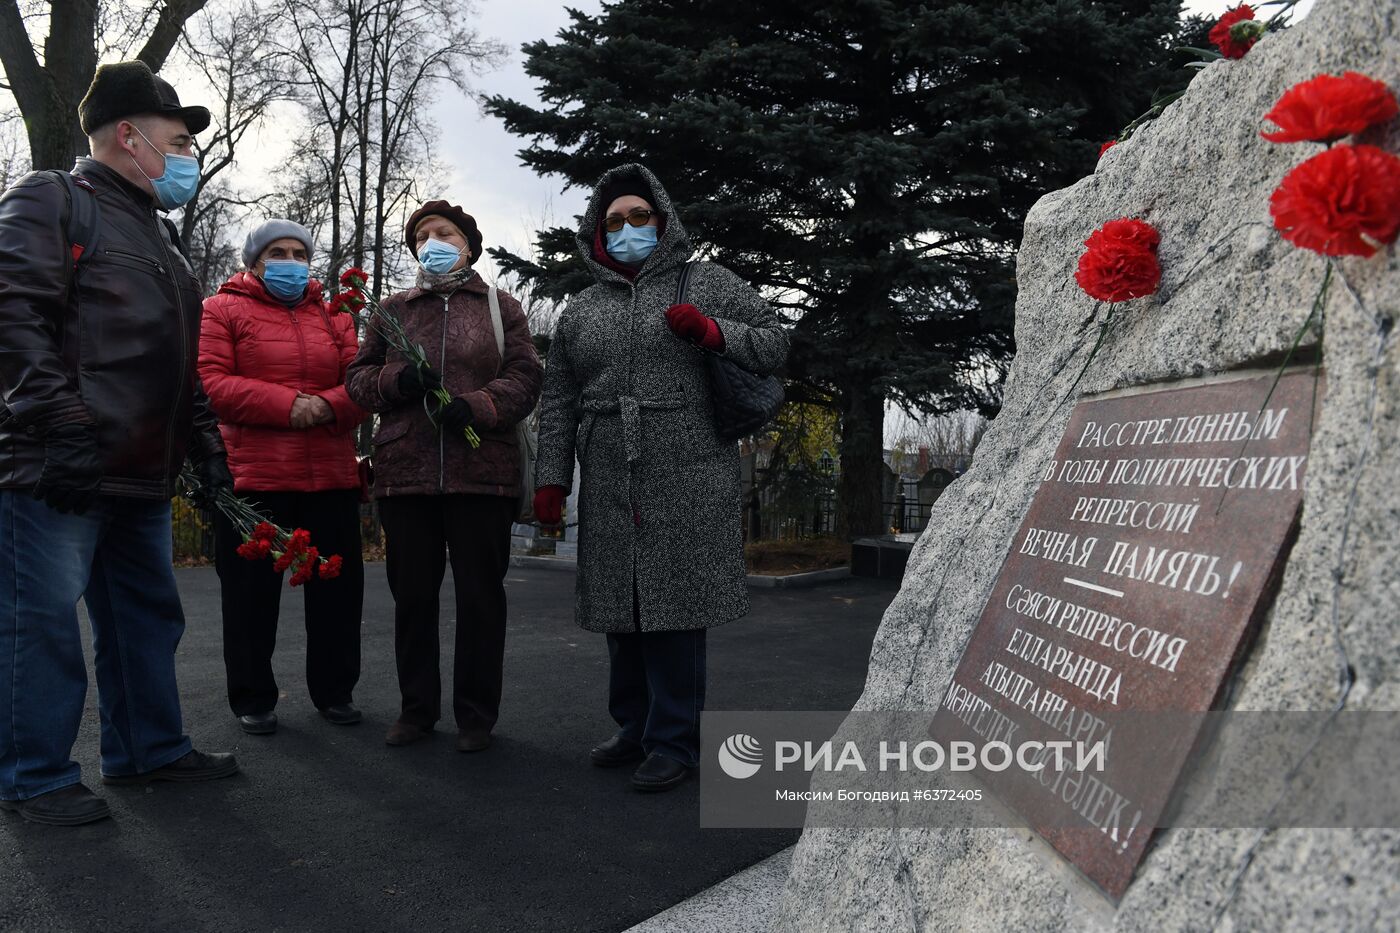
x=286 y=278
x=437 y=257
x=178 y=183
x=631 y=245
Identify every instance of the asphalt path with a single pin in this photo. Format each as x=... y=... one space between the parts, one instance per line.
x=327 y=828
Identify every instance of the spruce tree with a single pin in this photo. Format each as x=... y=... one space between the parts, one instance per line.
x=867 y=164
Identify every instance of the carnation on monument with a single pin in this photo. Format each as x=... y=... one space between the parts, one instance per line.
x=1223 y=34
x=1326 y=108
x=1120 y=261
x=1342 y=202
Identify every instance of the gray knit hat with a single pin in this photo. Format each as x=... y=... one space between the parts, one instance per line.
x=270 y=230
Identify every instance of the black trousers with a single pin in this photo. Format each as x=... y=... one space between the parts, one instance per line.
x=421 y=533
x=251 y=593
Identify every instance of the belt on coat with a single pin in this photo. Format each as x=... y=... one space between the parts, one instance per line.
x=630 y=408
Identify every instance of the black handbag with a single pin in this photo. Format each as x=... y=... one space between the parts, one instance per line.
x=743 y=401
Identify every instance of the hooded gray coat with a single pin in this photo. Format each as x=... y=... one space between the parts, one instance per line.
x=659 y=509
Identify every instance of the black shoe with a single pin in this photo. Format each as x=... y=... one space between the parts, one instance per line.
x=659 y=773
x=405 y=733
x=194 y=766
x=342 y=714
x=616 y=751
x=73 y=805
x=258 y=723
x=473 y=740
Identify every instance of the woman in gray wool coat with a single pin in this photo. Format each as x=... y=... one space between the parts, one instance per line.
x=660 y=544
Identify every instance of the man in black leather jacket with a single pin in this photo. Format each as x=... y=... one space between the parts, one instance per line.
x=101 y=407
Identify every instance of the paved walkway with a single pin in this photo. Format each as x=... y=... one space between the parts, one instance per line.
x=329 y=829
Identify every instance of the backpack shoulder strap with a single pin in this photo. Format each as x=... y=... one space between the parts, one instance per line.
x=83 y=216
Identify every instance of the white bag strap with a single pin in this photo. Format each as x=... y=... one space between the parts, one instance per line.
x=495 y=301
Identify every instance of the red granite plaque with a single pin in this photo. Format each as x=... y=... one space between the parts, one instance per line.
x=1152 y=546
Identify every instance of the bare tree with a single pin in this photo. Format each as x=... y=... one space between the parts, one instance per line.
x=949 y=439
x=368 y=70
x=236 y=52
x=48 y=93
x=541 y=310
x=14 y=149
x=212 y=242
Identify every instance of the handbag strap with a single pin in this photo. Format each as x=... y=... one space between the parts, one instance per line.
x=494 y=300
x=683 y=283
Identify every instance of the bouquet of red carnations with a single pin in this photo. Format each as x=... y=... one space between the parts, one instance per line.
x=289 y=550
x=357 y=303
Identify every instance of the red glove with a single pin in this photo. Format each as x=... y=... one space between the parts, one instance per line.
x=688 y=323
x=549 y=504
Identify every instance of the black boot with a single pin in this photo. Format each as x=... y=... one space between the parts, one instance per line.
x=193 y=766
x=616 y=751
x=73 y=805
x=659 y=773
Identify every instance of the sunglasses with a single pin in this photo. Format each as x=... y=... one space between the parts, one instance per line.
x=637 y=218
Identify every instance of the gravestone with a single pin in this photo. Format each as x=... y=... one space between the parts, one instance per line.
x=1315 y=591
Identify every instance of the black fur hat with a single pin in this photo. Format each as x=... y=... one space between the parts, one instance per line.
x=127 y=89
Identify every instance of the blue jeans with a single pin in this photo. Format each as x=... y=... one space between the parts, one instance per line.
x=117 y=559
x=656 y=690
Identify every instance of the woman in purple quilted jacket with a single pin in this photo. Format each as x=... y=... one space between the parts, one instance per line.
x=439 y=498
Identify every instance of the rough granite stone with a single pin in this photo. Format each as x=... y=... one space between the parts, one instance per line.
x=1233 y=295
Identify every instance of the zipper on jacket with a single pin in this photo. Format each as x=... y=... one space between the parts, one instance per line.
x=442 y=371
x=184 y=343
x=305 y=435
x=135 y=257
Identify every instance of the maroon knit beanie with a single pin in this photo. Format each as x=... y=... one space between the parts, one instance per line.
x=464 y=222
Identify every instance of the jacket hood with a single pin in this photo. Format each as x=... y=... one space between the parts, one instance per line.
x=672 y=248
x=248 y=285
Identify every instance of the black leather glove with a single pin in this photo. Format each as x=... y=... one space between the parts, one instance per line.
x=414 y=383
x=72 y=468
x=455 y=416
x=214 y=477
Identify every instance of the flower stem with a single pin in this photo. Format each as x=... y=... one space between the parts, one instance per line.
x=1103 y=332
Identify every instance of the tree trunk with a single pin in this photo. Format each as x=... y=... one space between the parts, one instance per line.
x=860 y=489
x=48 y=94
x=55 y=141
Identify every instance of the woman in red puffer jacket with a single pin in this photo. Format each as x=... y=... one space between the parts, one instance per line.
x=273 y=363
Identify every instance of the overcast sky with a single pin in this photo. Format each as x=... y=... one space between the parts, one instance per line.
x=488 y=180
x=487 y=177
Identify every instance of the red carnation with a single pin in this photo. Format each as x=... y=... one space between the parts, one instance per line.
x=307 y=568
x=1118 y=274
x=248 y=550
x=1125 y=232
x=1233 y=42
x=1120 y=261
x=1342 y=202
x=331 y=568
x=298 y=542
x=354 y=277
x=1107 y=146
x=265 y=531
x=348 y=301
x=1326 y=108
